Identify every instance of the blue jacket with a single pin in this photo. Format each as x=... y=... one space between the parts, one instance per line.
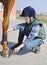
x=34 y=29
x=33 y=33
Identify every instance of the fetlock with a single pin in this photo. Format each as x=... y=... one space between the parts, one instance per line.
x=5 y=50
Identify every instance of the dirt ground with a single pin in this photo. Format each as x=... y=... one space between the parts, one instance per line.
x=23 y=59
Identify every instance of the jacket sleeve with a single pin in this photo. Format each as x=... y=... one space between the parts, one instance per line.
x=19 y=26
x=34 y=32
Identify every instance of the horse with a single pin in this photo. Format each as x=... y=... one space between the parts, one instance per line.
x=8 y=5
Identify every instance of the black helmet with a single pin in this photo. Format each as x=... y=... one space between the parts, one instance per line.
x=28 y=11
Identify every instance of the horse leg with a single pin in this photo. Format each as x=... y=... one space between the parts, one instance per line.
x=7 y=9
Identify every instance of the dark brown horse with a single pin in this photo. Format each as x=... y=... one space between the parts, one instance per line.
x=8 y=5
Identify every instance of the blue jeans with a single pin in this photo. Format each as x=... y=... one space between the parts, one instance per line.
x=33 y=43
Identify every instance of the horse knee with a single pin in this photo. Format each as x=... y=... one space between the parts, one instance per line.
x=5 y=25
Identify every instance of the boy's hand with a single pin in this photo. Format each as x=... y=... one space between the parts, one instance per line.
x=11 y=29
x=18 y=48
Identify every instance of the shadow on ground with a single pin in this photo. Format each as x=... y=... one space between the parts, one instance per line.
x=21 y=52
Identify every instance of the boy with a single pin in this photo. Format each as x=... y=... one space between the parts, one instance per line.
x=32 y=28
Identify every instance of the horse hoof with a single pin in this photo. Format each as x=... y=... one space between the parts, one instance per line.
x=5 y=54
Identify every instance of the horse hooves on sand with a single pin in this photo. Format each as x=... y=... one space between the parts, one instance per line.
x=6 y=54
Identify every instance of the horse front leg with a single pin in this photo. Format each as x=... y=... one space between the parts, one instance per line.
x=5 y=24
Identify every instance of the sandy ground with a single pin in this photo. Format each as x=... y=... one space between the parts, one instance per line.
x=24 y=58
